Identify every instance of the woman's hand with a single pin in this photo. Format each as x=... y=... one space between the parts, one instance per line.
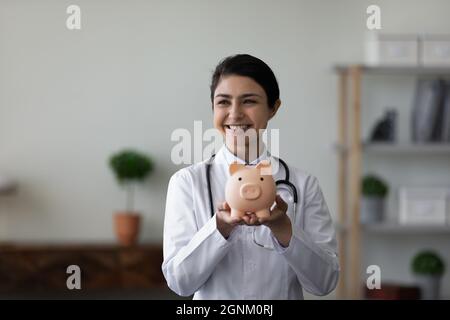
x=279 y=222
x=226 y=223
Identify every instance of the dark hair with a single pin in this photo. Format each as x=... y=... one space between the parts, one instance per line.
x=248 y=66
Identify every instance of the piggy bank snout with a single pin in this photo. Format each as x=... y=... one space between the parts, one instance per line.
x=250 y=191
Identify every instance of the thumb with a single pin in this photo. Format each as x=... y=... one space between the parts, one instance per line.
x=280 y=203
x=226 y=206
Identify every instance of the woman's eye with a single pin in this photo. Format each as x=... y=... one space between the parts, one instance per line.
x=222 y=102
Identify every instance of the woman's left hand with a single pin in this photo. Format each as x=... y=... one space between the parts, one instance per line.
x=279 y=222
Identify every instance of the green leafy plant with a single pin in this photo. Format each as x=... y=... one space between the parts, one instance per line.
x=373 y=186
x=428 y=263
x=129 y=167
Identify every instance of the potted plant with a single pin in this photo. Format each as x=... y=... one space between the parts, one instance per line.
x=374 y=191
x=428 y=269
x=130 y=167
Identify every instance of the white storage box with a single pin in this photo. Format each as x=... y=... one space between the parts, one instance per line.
x=424 y=206
x=392 y=50
x=435 y=51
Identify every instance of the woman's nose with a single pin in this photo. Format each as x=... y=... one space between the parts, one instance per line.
x=236 y=110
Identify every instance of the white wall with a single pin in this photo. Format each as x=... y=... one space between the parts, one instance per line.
x=140 y=69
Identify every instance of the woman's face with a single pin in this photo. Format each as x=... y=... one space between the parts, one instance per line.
x=240 y=104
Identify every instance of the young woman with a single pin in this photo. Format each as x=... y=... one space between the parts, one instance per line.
x=212 y=255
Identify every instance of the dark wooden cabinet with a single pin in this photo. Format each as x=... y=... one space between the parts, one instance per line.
x=41 y=268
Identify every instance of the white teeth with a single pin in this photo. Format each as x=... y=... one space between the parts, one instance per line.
x=235 y=127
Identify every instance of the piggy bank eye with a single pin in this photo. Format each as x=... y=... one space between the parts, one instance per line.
x=262 y=179
x=239 y=178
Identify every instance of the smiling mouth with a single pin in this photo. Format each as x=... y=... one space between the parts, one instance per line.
x=238 y=127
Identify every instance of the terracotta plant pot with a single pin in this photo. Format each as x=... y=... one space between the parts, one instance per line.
x=127 y=226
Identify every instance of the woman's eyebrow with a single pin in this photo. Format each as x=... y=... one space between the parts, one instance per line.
x=223 y=95
x=245 y=95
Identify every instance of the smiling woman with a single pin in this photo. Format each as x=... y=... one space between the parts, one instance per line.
x=211 y=253
x=245 y=96
x=235 y=113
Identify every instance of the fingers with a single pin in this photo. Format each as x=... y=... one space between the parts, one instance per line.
x=253 y=219
x=246 y=219
x=224 y=207
x=249 y=218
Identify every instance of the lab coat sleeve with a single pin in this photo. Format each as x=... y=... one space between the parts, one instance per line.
x=190 y=252
x=312 y=250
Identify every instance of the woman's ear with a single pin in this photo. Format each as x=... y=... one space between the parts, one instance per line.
x=275 y=108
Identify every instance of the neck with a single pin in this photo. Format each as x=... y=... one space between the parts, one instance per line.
x=246 y=152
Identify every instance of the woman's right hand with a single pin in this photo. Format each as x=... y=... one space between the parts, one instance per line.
x=226 y=223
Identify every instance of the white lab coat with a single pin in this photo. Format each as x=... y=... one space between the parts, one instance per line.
x=199 y=260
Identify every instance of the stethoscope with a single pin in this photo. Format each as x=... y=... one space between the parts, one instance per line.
x=283 y=182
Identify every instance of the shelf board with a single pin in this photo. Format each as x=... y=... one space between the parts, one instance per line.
x=402 y=148
x=384 y=228
x=397 y=70
x=422 y=148
x=397 y=229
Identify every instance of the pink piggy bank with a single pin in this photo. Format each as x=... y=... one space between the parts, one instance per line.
x=250 y=189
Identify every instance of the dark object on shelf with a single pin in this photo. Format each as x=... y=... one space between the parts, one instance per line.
x=385 y=129
x=428 y=111
x=446 y=115
x=392 y=291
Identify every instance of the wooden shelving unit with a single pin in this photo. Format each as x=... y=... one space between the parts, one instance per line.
x=350 y=154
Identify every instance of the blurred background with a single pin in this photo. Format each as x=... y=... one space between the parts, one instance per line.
x=365 y=111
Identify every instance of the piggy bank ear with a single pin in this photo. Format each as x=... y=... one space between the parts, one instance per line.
x=265 y=167
x=235 y=167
